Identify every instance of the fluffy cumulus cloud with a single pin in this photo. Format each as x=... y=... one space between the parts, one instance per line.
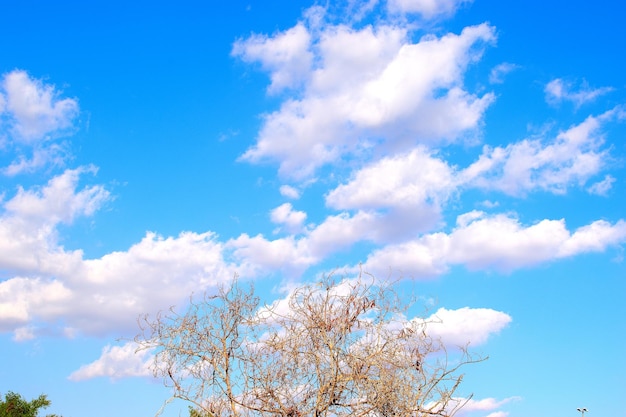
x=405 y=98
x=48 y=284
x=466 y=325
x=258 y=255
x=559 y=90
x=595 y=237
x=29 y=220
x=497 y=242
x=286 y=56
x=399 y=93
x=20 y=296
x=406 y=180
x=571 y=158
x=421 y=178
x=293 y=254
x=34 y=108
x=505 y=244
x=397 y=200
x=97 y=296
x=285 y=215
x=59 y=201
x=34 y=116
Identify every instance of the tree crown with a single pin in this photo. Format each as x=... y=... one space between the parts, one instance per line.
x=332 y=348
x=14 y=405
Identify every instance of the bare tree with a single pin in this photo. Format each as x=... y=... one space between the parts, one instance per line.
x=334 y=348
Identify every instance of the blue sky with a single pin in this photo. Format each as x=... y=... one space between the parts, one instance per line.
x=474 y=150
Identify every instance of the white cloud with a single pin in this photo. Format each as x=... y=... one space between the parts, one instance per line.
x=154 y=273
x=258 y=255
x=466 y=325
x=20 y=296
x=34 y=109
x=574 y=156
x=422 y=258
x=505 y=244
x=472 y=406
x=292 y=255
x=60 y=290
x=421 y=178
x=34 y=116
x=286 y=56
x=497 y=242
x=427 y=8
x=117 y=362
x=52 y=154
x=341 y=231
x=559 y=90
x=398 y=94
x=496 y=76
x=97 y=296
x=289 y=192
x=489 y=204
x=502 y=243
x=602 y=187
x=28 y=237
x=287 y=216
x=59 y=200
x=358 y=9
x=412 y=179
x=395 y=219
x=22 y=334
x=595 y=237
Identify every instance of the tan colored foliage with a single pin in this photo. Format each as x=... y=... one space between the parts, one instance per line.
x=330 y=349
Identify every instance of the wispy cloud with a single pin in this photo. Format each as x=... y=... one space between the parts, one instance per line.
x=559 y=90
x=602 y=187
x=35 y=118
x=429 y=9
x=289 y=192
x=397 y=92
x=571 y=158
x=497 y=74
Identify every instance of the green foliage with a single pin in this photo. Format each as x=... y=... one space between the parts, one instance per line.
x=195 y=413
x=14 y=405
